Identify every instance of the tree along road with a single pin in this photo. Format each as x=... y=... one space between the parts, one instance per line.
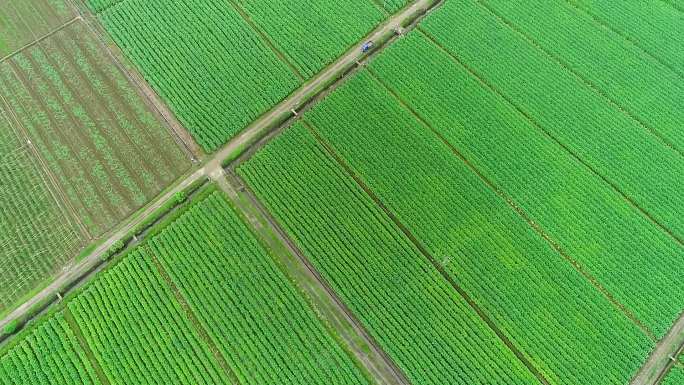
x=213 y=167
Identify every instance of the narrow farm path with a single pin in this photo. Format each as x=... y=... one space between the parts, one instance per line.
x=213 y=166
x=663 y=357
x=327 y=305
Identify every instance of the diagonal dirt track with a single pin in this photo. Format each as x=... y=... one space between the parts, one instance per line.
x=325 y=301
x=213 y=167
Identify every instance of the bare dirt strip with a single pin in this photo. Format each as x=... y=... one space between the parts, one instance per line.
x=327 y=305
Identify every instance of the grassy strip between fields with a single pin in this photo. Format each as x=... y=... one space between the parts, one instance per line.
x=151 y=225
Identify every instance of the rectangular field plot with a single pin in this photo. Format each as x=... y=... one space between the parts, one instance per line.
x=203 y=59
x=138 y=331
x=24 y=21
x=530 y=291
x=49 y=355
x=312 y=34
x=615 y=144
x=259 y=321
x=415 y=315
x=108 y=153
x=37 y=236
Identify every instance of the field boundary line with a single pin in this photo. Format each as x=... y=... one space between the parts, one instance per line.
x=192 y=317
x=83 y=343
x=330 y=150
x=548 y=134
x=39 y=39
x=55 y=189
x=521 y=212
x=152 y=100
x=664 y=141
x=600 y=21
x=331 y=302
x=266 y=39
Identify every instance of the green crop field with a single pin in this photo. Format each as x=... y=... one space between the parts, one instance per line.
x=37 y=235
x=204 y=59
x=313 y=34
x=23 y=22
x=49 y=355
x=395 y=292
x=674 y=377
x=222 y=270
x=492 y=195
x=137 y=331
x=217 y=64
x=108 y=153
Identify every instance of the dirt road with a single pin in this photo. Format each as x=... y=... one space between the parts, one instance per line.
x=663 y=357
x=213 y=167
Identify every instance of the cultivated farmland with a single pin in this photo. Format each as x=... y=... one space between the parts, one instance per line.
x=204 y=59
x=138 y=331
x=398 y=295
x=312 y=34
x=22 y=22
x=157 y=316
x=517 y=158
x=593 y=129
x=107 y=152
x=482 y=244
x=492 y=197
x=49 y=355
x=37 y=236
x=271 y=335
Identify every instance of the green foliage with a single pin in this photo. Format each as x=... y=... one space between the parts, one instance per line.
x=108 y=152
x=49 y=355
x=222 y=270
x=599 y=147
x=557 y=26
x=138 y=332
x=675 y=377
x=312 y=34
x=11 y=327
x=22 y=21
x=213 y=70
x=404 y=303
x=629 y=18
x=179 y=197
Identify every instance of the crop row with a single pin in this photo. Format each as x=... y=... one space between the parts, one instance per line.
x=660 y=39
x=427 y=329
x=590 y=50
x=138 y=332
x=36 y=239
x=311 y=34
x=204 y=60
x=262 y=326
x=91 y=128
x=601 y=135
x=50 y=355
